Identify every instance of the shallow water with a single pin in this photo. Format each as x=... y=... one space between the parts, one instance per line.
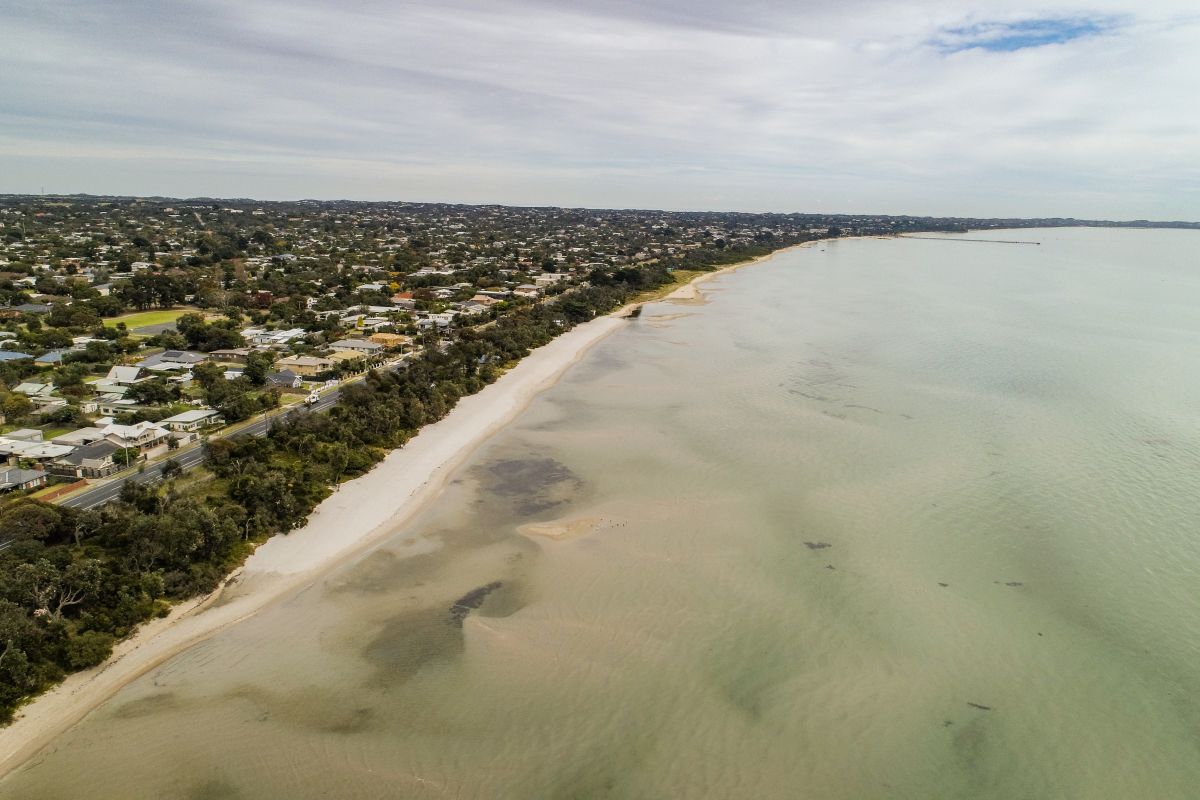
x=884 y=519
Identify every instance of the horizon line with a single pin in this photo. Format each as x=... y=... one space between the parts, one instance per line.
x=196 y=198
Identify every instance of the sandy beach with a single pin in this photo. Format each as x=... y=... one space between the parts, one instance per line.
x=358 y=515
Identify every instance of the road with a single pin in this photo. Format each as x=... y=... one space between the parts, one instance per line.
x=194 y=454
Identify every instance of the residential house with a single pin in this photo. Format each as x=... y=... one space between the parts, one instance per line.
x=527 y=291
x=192 y=421
x=25 y=308
x=307 y=366
x=372 y=323
x=15 y=478
x=41 y=452
x=126 y=376
x=46 y=404
x=25 y=435
x=50 y=359
x=361 y=346
x=184 y=359
x=346 y=356
x=93 y=460
x=550 y=278
x=32 y=390
x=284 y=379
x=148 y=438
x=113 y=404
x=257 y=336
x=235 y=355
x=80 y=436
x=473 y=309
x=265 y=338
x=436 y=321
x=390 y=341
x=41 y=395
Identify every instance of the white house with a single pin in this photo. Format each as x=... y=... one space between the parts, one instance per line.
x=191 y=421
x=146 y=437
x=550 y=278
x=438 y=321
x=358 y=346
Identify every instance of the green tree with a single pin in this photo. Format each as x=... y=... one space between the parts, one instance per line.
x=70 y=375
x=16 y=406
x=15 y=629
x=88 y=649
x=30 y=520
x=258 y=364
x=49 y=590
x=154 y=392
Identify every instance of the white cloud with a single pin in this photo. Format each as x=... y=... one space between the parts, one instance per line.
x=762 y=104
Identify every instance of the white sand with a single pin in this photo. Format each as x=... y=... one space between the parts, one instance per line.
x=364 y=509
x=360 y=514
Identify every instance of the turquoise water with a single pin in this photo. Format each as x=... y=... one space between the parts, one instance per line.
x=881 y=519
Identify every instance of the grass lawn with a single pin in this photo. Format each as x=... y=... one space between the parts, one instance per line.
x=45 y=490
x=50 y=433
x=199 y=483
x=144 y=318
x=680 y=277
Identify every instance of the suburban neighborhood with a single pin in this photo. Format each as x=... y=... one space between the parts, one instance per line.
x=131 y=328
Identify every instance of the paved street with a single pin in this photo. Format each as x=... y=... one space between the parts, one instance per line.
x=188 y=457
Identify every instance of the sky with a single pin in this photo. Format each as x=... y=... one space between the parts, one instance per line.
x=949 y=107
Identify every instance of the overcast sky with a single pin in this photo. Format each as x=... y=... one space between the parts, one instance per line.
x=955 y=107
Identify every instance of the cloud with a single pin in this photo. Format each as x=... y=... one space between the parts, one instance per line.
x=871 y=105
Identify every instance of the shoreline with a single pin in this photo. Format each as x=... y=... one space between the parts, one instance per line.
x=357 y=516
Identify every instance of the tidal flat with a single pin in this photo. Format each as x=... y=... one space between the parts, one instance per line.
x=896 y=519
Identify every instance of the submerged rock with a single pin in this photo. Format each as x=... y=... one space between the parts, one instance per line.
x=471 y=601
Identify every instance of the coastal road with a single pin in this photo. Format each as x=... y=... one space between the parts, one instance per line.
x=193 y=455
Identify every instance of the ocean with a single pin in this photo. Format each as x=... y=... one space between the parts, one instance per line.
x=879 y=518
